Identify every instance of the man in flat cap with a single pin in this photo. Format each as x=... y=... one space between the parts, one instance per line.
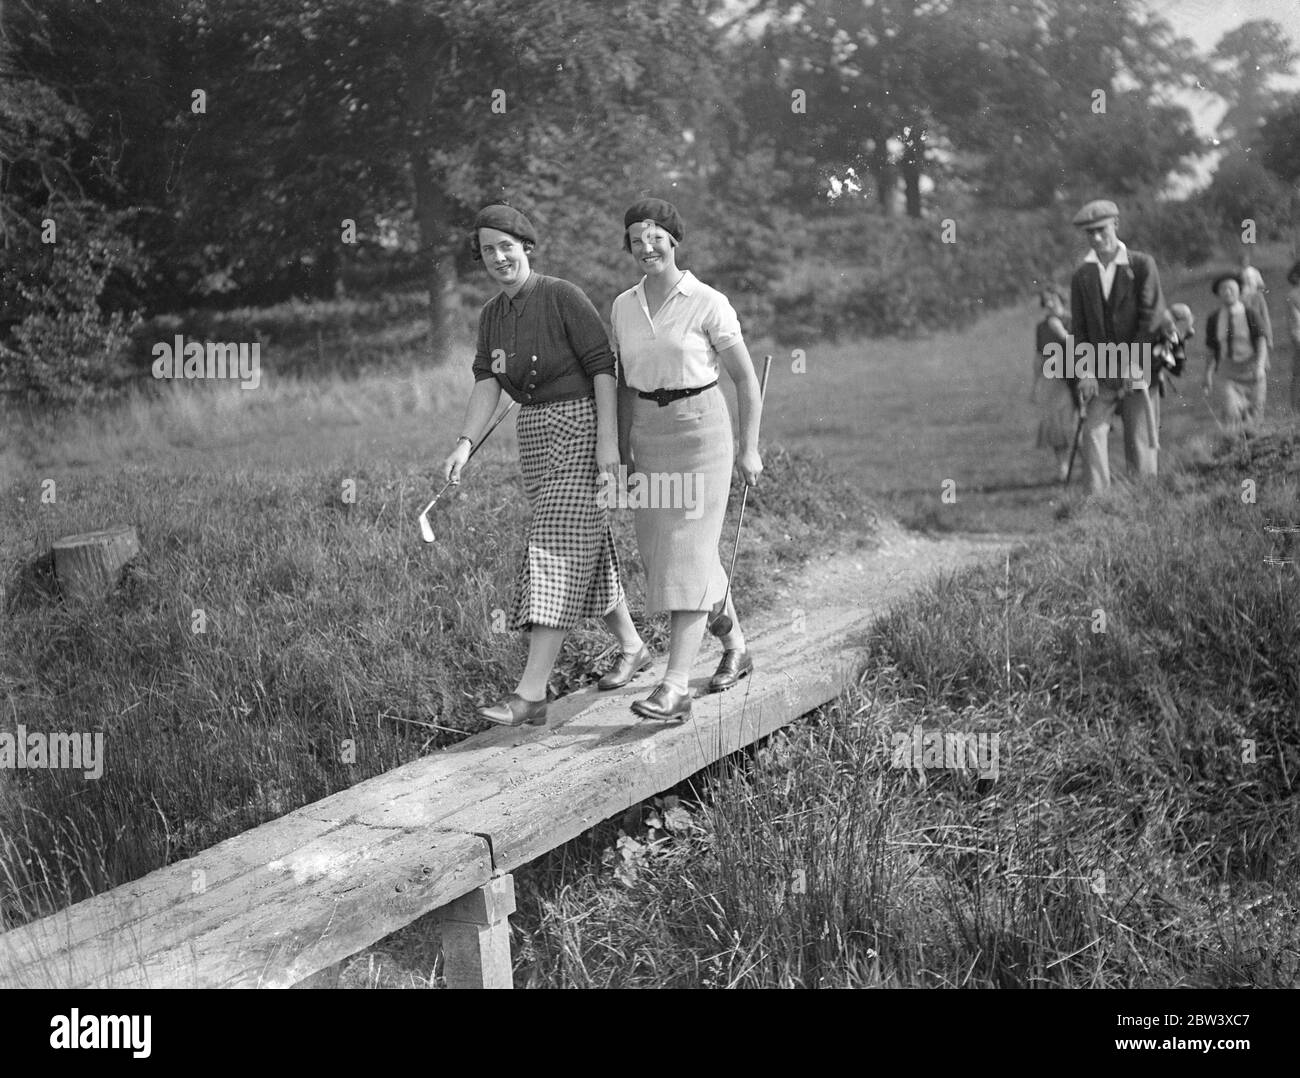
x=1115 y=298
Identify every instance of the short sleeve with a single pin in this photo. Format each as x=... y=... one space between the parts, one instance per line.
x=720 y=323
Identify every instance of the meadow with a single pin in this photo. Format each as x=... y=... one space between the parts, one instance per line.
x=1126 y=840
x=1143 y=829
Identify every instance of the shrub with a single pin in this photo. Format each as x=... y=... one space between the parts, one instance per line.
x=64 y=348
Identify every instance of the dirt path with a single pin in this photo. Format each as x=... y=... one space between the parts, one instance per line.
x=877 y=578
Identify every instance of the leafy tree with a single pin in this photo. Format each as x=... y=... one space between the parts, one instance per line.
x=247 y=133
x=1243 y=188
x=1279 y=140
x=1243 y=64
x=898 y=89
x=1278 y=146
x=61 y=249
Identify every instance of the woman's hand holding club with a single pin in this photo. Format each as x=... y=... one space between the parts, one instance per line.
x=456 y=461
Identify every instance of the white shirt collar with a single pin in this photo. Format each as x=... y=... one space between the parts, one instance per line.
x=685 y=285
x=1120 y=259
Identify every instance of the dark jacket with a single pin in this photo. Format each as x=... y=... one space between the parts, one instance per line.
x=1131 y=315
x=1212 y=331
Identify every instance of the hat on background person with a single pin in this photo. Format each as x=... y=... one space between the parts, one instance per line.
x=1095 y=212
x=1293 y=274
x=1231 y=275
x=662 y=213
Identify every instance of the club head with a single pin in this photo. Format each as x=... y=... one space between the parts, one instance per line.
x=426 y=529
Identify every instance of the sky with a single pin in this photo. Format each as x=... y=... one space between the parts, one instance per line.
x=1205 y=22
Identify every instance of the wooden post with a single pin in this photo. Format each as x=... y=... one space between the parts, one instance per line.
x=87 y=565
x=476 y=937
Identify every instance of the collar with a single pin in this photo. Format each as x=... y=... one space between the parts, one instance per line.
x=520 y=298
x=685 y=285
x=1120 y=259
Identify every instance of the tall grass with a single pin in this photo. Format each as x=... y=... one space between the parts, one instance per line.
x=270 y=623
x=1142 y=830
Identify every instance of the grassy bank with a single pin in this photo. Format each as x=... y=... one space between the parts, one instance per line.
x=274 y=620
x=1143 y=828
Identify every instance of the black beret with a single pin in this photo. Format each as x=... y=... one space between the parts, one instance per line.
x=1225 y=277
x=505 y=219
x=662 y=213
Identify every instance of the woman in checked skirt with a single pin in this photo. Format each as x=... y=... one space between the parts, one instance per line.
x=671 y=333
x=541 y=341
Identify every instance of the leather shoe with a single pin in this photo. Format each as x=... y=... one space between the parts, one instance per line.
x=625 y=668
x=514 y=710
x=665 y=703
x=736 y=664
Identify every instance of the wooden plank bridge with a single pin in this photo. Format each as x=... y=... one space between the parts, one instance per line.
x=277 y=904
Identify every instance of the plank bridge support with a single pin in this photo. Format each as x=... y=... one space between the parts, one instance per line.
x=476 y=936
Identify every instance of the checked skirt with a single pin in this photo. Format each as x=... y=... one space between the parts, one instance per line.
x=570 y=569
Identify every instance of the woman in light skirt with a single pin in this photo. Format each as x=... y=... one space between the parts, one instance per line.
x=671 y=333
x=541 y=340
x=1238 y=348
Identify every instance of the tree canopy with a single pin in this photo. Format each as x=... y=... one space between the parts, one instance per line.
x=251 y=150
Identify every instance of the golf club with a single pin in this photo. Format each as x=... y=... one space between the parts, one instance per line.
x=1078 y=432
x=720 y=623
x=426 y=529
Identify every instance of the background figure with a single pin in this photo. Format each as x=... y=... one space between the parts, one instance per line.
x=1253 y=296
x=1293 y=327
x=1058 y=415
x=1239 y=348
x=1170 y=353
x=1115 y=298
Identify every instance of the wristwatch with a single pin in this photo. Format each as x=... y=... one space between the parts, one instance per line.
x=465 y=438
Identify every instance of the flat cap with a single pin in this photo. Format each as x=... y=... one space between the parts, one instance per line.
x=1095 y=212
x=505 y=219
x=662 y=213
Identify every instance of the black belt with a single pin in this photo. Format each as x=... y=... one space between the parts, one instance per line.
x=665 y=397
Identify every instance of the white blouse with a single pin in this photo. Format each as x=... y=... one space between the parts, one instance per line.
x=678 y=347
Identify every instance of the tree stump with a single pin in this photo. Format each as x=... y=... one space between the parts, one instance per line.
x=87 y=565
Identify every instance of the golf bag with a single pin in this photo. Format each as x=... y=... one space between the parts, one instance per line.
x=1169 y=356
